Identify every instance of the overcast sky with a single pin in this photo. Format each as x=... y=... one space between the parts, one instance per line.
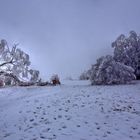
x=66 y=36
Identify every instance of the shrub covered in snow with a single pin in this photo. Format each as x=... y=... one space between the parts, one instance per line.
x=127 y=51
x=55 y=80
x=108 y=71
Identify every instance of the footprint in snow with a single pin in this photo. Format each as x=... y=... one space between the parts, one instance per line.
x=68 y=117
x=35 y=124
x=98 y=128
x=7 y=135
x=38 y=107
x=60 y=109
x=82 y=105
x=66 y=110
x=108 y=132
x=59 y=116
x=86 y=122
x=78 y=125
x=31 y=120
x=43 y=137
x=48 y=106
x=34 y=139
x=46 y=130
x=64 y=126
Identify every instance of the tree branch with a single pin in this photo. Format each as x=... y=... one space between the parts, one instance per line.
x=5 y=63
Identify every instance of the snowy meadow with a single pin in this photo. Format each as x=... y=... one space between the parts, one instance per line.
x=70 y=70
x=74 y=110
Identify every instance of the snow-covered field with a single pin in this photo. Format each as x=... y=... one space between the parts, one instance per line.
x=72 y=111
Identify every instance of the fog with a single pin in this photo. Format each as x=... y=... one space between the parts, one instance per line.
x=66 y=36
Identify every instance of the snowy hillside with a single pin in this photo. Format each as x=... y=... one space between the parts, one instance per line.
x=72 y=111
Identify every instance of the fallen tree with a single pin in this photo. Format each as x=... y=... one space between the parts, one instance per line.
x=15 y=64
x=107 y=72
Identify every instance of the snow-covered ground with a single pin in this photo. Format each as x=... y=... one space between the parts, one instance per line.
x=72 y=111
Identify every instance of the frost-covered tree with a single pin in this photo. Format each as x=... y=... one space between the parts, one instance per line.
x=107 y=71
x=15 y=65
x=127 y=51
